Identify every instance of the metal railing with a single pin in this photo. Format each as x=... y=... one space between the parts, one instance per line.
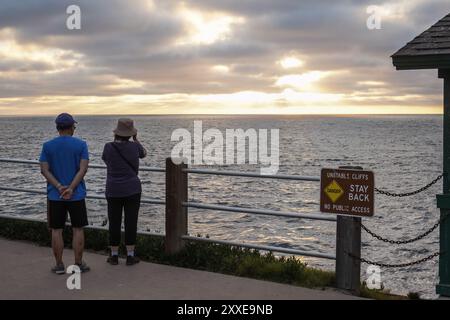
x=189 y=204
x=195 y=171
x=265 y=248
x=91 y=166
x=177 y=209
x=252 y=175
x=311 y=216
x=32 y=191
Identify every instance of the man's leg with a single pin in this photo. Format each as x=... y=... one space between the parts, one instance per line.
x=78 y=219
x=56 y=214
x=78 y=244
x=58 y=245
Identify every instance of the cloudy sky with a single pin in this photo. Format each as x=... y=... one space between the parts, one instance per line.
x=221 y=56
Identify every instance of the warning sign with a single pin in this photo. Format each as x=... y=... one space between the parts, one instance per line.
x=334 y=191
x=347 y=191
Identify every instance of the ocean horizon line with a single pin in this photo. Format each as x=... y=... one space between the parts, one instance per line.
x=225 y=115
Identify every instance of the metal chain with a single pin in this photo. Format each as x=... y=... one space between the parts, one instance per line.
x=423 y=235
x=400 y=265
x=407 y=194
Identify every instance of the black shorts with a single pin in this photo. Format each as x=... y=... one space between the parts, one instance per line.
x=57 y=213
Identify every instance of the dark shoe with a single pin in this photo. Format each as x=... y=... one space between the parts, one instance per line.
x=113 y=260
x=83 y=267
x=131 y=260
x=59 y=269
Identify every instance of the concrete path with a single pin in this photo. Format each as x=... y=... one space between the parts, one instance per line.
x=25 y=274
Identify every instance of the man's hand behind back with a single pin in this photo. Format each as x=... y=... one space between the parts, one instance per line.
x=61 y=189
x=67 y=194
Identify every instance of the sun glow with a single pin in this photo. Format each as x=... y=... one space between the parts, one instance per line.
x=301 y=81
x=206 y=28
x=290 y=62
x=220 y=69
x=119 y=84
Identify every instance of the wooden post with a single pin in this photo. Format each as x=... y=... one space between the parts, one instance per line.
x=176 y=214
x=443 y=288
x=348 y=246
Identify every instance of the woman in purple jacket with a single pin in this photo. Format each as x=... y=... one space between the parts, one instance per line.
x=123 y=188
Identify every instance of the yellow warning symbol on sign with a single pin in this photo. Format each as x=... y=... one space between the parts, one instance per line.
x=334 y=191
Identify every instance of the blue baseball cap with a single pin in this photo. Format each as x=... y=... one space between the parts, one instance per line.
x=65 y=119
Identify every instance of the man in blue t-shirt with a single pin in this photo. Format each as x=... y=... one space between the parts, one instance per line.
x=64 y=163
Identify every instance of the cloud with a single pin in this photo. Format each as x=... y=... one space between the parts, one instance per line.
x=184 y=51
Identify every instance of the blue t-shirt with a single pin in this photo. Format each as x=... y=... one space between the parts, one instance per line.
x=63 y=154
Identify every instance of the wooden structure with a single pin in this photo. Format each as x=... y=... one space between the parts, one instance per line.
x=431 y=50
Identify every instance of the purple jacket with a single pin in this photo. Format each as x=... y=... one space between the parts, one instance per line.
x=122 y=179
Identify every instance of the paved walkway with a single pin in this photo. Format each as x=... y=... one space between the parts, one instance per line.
x=24 y=274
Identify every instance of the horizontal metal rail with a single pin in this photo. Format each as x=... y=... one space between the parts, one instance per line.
x=193 y=171
x=93 y=166
x=311 y=216
x=252 y=175
x=264 y=248
x=89 y=227
x=149 y=201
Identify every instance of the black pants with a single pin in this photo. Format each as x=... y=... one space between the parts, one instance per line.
x=130 y=205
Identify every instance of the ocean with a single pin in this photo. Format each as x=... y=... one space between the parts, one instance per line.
x=405 y=153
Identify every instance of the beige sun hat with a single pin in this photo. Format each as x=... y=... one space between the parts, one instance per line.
x=125 y=128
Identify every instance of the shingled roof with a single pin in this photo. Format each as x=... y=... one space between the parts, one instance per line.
x=430 y=50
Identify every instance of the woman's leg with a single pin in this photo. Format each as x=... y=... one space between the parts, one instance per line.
x=115 y=206
x=131 y=208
